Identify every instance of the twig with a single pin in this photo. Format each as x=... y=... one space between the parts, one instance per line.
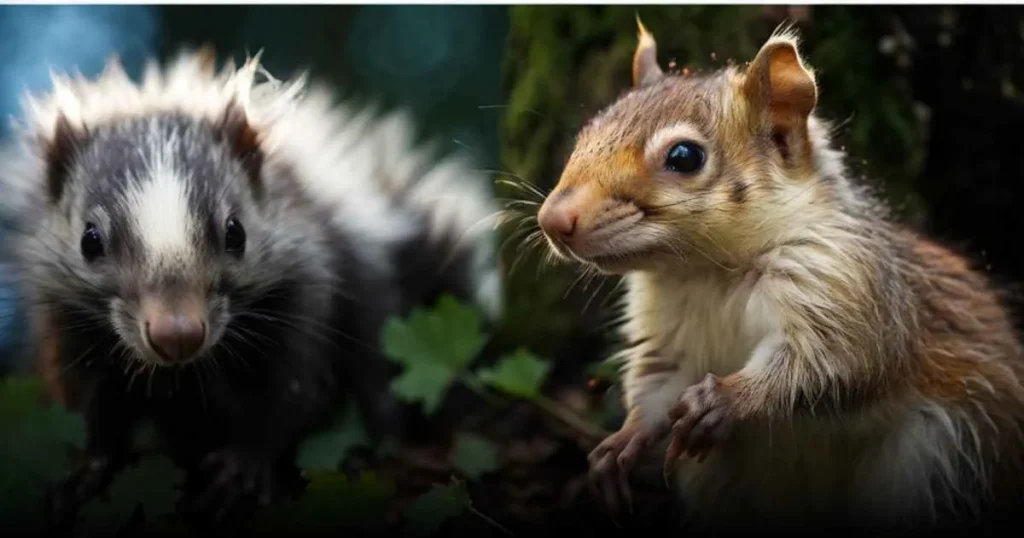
x=549 y=406
x=570 y=419
x=474 y=384
x=489 y=520
x=422 y=461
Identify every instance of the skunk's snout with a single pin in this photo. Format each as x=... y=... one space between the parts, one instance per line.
x=175 y=332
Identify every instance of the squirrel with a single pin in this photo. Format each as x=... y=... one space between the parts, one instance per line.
x=217 y=253
x=808 y=359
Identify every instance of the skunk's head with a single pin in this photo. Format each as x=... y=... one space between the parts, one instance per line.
x=168 y=211
x=150 y=217
x=156 y=218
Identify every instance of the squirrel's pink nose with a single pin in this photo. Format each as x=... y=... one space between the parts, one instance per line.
x=176 y=337
x=558 y=220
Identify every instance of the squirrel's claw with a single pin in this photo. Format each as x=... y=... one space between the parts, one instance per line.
x=703 y=418
x=672 y=454
x=611 y=462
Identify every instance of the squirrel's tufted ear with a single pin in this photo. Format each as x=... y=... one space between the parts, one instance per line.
x=780 y=88
x=243 y=140
x=60 y=151
x=645 y=60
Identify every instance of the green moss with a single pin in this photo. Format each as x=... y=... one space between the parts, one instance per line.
x=872 y=95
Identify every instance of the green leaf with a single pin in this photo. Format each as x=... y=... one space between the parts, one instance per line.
x=424 y=383
x=332 y=500
x=434 y=346
x=519 y=374
x=605 y=370
x=474 y=455
x=429 y=511
x=21 y=406
x=325 y=450
x=152 y=483
x=35 y=442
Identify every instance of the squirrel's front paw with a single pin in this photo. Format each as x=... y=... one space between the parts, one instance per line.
x=702 y=418
x=612 y=460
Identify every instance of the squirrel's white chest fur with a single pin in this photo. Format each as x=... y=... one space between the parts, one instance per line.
x=721 y=324
x=711 y=323
x=708 y=323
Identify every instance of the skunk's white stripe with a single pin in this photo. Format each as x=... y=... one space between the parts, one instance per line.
x=161 y=211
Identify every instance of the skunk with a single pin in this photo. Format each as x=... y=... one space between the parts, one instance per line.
x=216 y=253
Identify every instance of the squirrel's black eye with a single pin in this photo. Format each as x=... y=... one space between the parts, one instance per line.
x=234 y=236
x=685 y=158
x=92 y=243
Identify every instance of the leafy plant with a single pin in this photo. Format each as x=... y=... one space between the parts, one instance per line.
x=35 y=441
x=436 y=347
x=474 y=456
x=519 y=374
x=151 y=486
x=429 y=511
x=333 y=500
x=326 y=450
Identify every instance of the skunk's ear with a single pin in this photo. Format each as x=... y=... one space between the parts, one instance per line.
x=243 y=140
x=645 y=59
x=781 y=89
x=60 y=152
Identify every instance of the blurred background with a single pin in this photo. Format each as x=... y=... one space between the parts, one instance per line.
x=927 y=99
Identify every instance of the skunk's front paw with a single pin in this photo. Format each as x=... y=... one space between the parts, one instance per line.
x=64 y=499
x=237 y=478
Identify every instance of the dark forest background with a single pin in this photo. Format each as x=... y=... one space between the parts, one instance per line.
x=929 y=101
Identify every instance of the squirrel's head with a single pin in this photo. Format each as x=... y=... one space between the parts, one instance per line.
x=708 y=166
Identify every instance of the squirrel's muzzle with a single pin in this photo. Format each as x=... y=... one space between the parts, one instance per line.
x=583 y=223
x=557 y=217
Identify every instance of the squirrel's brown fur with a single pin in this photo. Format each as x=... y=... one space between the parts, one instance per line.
x=818 y=362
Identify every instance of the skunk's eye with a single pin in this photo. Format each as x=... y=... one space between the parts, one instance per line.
x=234 y=236
x=92 y=243
x=685 y=158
